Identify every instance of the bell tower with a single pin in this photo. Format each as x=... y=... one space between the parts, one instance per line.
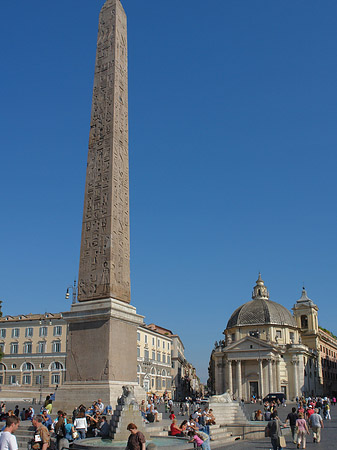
x=305 y=313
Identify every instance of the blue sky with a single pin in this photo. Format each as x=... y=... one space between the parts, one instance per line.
x=232 y=117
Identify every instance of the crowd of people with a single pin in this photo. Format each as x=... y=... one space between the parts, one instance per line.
x=196 y=426
x=42 y=436
x=309 y=414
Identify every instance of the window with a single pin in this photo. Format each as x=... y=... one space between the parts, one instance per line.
x=27 y=366
x=29 y=332
x=164 y=358
x=43 y=331
x=56 y=366
x=292 y=336
x=139 y=369
x=41 y=347
x=55 y=378
x=255 y=334
x=15 y=332
x=26 y=379
x=304 y=322
x=163 y=344
x=57 y=347
x=163 y=382
x=173 y=364
x=57 y=330
x=138 y=351
x=158 y=357
x=146 y=355
x=278 y=334
x=14 y=348
x=145 y=339
x=38 y=379
x=13 y=366
x=163 y=373
x=168 y=346
x=233 y=337
x=153 y=355
x=3 y=332
x=168 y=359
x=2 y=347
x=12 y=379
x=27 y=347
x=153 y=341
x=138 y=336
x=158 y=343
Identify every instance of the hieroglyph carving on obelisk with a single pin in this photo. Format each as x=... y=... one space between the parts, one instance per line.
x=105 y=245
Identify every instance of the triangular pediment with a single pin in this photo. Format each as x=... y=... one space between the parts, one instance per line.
x=251 y=344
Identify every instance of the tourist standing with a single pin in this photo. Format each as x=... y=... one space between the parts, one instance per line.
x=275 y=433
x=303 y=430
x=136 y=439
x=316 y=424
x=7 y=438
x=41 y=436
x=291 y=419
x=81 y=425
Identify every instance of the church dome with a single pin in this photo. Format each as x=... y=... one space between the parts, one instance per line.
x=261 y=310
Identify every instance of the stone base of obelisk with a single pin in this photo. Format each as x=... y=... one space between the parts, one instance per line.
x=101 y=353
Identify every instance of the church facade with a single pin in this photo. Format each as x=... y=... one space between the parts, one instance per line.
x=268 y=349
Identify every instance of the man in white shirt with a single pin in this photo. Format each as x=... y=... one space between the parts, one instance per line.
x=7 y=438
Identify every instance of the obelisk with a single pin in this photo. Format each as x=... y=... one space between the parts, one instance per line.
x=102 y=326
x=105 y=246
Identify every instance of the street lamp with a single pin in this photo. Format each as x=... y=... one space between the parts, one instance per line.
x=43 y=321
x=73 y=288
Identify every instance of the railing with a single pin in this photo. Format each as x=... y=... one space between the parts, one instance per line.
x=251 y=430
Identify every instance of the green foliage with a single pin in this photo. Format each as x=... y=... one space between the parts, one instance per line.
x=329 y=332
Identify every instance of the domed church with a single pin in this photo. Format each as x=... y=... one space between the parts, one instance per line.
x=264 y=351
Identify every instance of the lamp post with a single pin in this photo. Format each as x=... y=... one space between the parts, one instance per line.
x=43 y=321
x=73 y=288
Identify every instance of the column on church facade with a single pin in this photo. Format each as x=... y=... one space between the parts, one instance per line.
x=270 y=376
x=278 y=376
x=261 y=390
x=295 y=364
x=230 y=376
x=219 y=377
x=239 y=379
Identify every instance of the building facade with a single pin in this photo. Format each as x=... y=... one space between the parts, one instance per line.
x=185 y=382
x=322 y=341
x=34 y=351
x=154 y=360
x=267 y=349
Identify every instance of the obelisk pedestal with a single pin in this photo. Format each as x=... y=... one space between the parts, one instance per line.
x=101 y=353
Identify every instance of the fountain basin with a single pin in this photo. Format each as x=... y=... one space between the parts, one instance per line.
x=163 y=443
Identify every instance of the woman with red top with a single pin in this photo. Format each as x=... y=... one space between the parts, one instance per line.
x=175 y=430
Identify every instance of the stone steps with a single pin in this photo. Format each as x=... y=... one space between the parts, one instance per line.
x=228 y=413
